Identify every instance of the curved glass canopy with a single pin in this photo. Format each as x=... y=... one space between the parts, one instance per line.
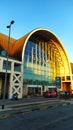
x=44 y=59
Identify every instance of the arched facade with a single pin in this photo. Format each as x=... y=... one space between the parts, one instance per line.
x=37 y=60
x=44 y=59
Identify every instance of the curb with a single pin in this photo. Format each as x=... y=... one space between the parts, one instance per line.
x=11 y=112
x=12 y=106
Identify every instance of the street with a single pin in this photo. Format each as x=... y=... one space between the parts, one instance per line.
x=53 y=116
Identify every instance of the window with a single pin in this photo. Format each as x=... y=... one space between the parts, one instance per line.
x=6 y=65
x=68 y=77
x=17 y=67
x=63 y=78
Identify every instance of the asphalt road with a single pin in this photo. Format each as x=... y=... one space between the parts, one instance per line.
x=54 y=116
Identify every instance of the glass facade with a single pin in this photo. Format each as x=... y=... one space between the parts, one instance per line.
x=42 y=66
x=38 y=69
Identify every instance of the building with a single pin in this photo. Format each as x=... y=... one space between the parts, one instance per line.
x=37 y=62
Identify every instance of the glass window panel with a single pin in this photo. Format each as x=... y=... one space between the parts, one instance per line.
x=38 y=69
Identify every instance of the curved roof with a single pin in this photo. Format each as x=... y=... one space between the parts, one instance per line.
x=4 y=41
x=45 y=35
x=15 y=45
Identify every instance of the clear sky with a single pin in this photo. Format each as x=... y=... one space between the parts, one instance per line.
x=55 y=15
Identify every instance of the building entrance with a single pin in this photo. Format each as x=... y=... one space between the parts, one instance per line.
x=34 y=91
x=68 y=86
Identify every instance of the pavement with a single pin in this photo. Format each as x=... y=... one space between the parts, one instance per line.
x=25 y=101
x=25 y=104
x=67 y=100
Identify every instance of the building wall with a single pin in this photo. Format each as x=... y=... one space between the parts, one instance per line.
x=44 y=59
x=40 y=57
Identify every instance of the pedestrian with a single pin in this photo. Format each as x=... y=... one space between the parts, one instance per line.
x=14 y=96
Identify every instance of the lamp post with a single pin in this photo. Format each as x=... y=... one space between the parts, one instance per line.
x=7 y=56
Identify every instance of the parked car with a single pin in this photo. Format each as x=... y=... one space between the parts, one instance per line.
x=50 y=94
x=64 y=94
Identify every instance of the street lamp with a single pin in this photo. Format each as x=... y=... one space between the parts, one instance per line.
x=7 y=56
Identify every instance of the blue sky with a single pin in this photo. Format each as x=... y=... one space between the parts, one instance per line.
x=55 y=15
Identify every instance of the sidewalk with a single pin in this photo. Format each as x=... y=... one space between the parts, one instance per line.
x=67 y=100
x=25 y=102
x=26 y=105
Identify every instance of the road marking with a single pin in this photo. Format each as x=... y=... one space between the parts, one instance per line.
x=34 y=104
x=4 y=116
x=33 y=109
x=45 y=108
x=64 y=104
